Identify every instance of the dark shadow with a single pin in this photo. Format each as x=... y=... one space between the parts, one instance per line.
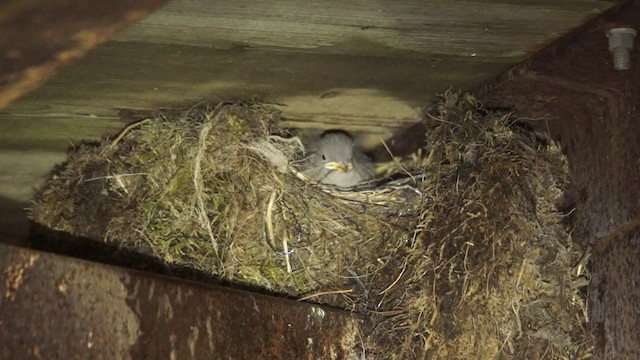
x=14 y=226
x=62 y=243
x=403 y=141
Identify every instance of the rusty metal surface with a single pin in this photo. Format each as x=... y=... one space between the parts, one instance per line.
x=40 y=36
x=572 y=90
x=615 y=292
x=593 y=110
x=55 y=307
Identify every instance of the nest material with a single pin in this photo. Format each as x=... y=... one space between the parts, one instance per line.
x=465 y=256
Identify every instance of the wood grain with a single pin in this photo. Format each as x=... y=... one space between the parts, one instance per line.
x=364 y=66
x=466 y=28
x=365 y=94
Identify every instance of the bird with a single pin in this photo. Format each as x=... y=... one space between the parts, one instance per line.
x=334 y=159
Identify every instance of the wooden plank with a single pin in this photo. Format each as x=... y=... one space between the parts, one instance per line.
x=40 y=36
x=411 y=28
x=368 y=94
x=22 y=171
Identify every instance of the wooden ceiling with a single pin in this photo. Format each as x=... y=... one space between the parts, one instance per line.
x=365 y=66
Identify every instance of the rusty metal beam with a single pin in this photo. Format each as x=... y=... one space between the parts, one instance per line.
x=55 y=307
x=573 y=90
x=38 y=37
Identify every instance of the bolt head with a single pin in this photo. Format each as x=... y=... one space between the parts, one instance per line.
x=621 y=38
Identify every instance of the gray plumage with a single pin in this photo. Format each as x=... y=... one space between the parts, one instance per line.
x=335 y=160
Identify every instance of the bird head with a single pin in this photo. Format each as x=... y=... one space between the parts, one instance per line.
x=335 y=151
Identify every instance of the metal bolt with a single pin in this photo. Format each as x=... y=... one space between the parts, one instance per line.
x=620 y=44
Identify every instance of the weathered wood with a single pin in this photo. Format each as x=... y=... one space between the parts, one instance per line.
x=39 y=37
x=410 y=28
x=365 y=94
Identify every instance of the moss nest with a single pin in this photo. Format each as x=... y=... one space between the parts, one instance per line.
x=457 y=252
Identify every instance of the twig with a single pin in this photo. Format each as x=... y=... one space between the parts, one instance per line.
x=524 y=263
x=442 y=120
x=404 y=268
x=322 y=293
x=269 y=218
x=123 y=133
x=285 y=246
x=395 y=160
x=197 y=177
x=115 y=176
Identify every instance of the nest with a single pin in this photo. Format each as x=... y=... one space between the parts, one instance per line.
x=457 y=252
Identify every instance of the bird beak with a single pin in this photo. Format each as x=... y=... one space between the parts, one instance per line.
x=334 y=165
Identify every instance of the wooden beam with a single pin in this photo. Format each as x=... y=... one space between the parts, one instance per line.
x=121 y=81
x=409 y=28
x=40 y=36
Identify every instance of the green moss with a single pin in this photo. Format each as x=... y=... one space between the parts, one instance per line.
x=465 y=263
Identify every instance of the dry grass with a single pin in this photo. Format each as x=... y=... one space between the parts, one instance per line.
x=463 y=256
x=492 y=270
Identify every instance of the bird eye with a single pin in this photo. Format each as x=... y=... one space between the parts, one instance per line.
x=324 y=157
